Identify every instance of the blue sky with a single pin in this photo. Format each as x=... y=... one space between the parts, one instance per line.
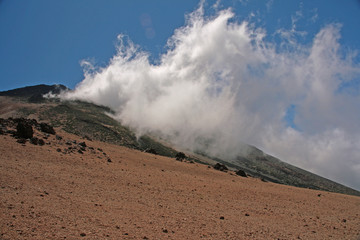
x=43 y=41
x=282 y=75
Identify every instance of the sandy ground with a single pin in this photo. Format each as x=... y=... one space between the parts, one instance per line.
x=49 y=192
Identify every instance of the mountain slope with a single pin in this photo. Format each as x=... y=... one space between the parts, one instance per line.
x=94 y=122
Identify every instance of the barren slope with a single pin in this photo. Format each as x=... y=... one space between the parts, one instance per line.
x=48 y=192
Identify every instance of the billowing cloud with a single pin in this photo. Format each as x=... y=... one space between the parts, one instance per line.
x=221 y=84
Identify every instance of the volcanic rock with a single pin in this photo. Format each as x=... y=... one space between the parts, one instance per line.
x=220 y=167
x=180 y=156
x=46 y=128
x=241 y=173
x=151 y=150
x=24 y=130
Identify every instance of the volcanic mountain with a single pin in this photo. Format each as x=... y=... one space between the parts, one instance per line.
x=92 y=121
x=68 y=170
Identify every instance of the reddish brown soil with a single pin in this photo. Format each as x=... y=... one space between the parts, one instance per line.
x=46 y=194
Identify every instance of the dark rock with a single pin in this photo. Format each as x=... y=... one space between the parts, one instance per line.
x=241 y=173
x=151 y=150
x=79 y=151
x=222 y=218
x=220 y=167
x=165 y=230
x=24 y=130
x=46 y=128
x=82 y=234
x=180 y=156
x=58 y=150
x=109 y=160
x=246 y=214
x=58 y=137
x=12 y=132
x=68 y=143
x=21 y=140
x=41 y=142
x=34 y=140
x=99 y=149
x=83 y=144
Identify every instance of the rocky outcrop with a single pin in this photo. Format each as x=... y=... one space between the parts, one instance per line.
x=24 y=130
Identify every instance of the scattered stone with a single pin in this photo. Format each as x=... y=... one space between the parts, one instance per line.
x=344 y=220
x=180 y=156
x=246 y=214
x=12 y=132
x=58 y=137
x=41 y=142
x=319 y=195
x=34 y=140
x=24 y=130
x=46 y=128
x=21 y=141
x=99 y=149
x=68 y=143
x=165 y=230
x=220 y=167
x=58 y=150
x=151 y=150
x=222 y=218
x=82 y=234
x=82 y=144
x=241 y=173
x=79 y=151
x=109 y=160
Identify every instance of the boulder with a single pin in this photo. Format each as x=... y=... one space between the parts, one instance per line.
x=220 y=167
x=24 y=130
x=46 y=128
x=180 y=156
x=151 y=150
x=241 y=173
x=34 y=140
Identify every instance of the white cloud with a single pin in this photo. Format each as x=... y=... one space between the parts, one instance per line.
x=221 y=84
